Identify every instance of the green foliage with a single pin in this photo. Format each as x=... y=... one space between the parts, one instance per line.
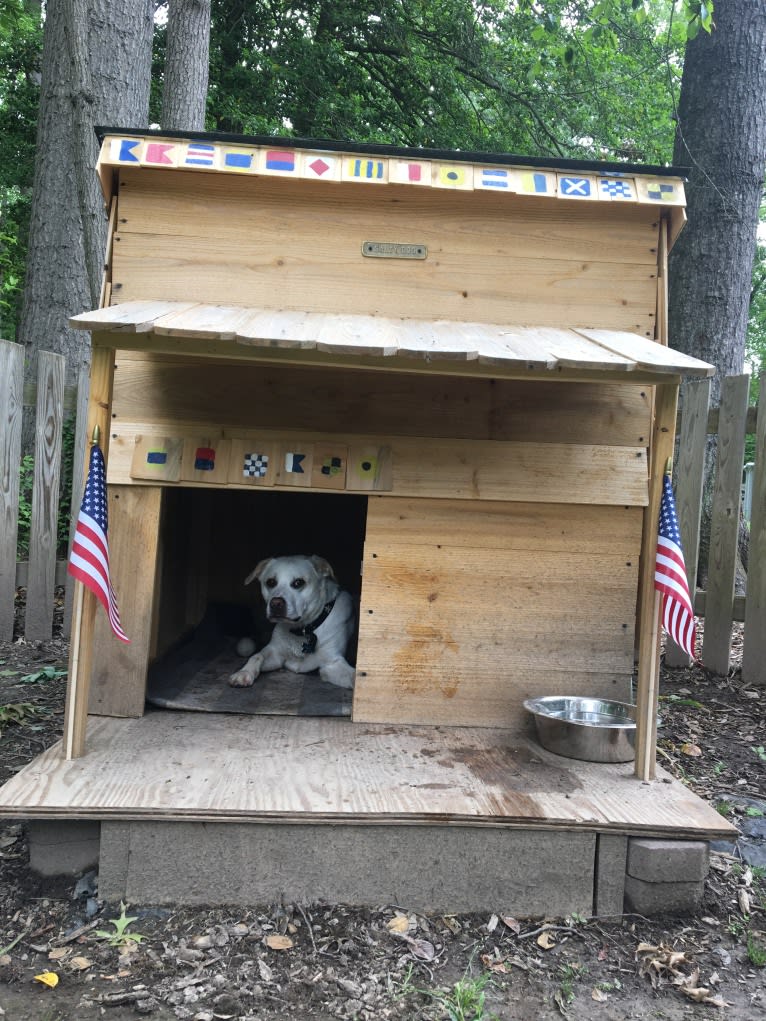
x=120 y=937
x=17 y=713
x=47 y=673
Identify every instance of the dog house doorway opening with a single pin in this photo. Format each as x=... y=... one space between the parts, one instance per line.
x=211 y=539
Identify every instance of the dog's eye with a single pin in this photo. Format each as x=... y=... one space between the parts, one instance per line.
x=271 y=583
x=297 y=583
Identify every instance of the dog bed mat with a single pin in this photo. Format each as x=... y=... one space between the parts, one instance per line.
x=195 y=677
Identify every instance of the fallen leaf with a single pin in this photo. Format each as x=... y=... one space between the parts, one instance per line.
x=511 y=924
x=492 y=964
x=399 y=923
x=546 y=941
x=277 y=942
x=80 y=963
x=48 y=978
x=492 y=923
x=743 y=899
x=422 y=949
x=452 y=924
x=265 y=971
x=598 y=995
x=59 y=953
x=692 y=750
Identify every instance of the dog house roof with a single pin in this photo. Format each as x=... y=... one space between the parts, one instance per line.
x=476 y=346
x=373 y=340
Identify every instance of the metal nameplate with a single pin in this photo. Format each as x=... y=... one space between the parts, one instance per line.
x=393 y=250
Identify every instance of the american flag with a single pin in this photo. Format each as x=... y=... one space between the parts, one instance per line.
x=670 y=576
x=89 y=559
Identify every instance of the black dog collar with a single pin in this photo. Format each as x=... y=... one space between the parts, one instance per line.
x=307 y=631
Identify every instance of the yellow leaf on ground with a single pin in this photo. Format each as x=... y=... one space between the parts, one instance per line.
x=598 y=995
x=48 y=978
x=692 y=750
x=399 y=923
x=277 y=942
x=546 y=941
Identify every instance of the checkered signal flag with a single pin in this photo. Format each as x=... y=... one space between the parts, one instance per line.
x=670 y=576
x=89 y=559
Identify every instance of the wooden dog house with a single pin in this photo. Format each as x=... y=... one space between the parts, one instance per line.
x=456 y=364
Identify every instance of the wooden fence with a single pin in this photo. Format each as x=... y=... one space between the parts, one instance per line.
x=717 y=604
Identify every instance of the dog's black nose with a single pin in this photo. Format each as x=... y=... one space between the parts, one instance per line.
x=277 y=607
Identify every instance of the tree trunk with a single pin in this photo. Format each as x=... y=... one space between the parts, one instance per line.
x=184 y=96
x=111 y=87
x=721 y=138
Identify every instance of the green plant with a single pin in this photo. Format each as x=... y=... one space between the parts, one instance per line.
x=760 y=751
x=120 y=937
x=723 y=808
x=756 y=951
x=465 y=1001
x=719 y=767
x=47 y=673
x=568 y=975
x=754 y=813
x=16 y=712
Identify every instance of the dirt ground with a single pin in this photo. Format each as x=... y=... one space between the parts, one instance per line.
x=317 y=961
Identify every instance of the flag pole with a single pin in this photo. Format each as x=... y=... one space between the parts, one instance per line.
x=85 y=603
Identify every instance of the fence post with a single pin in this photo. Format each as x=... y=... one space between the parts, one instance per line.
x=11 y=407
x=78 y=478
x=45 y=495
x=754 y=648
x=724 y=524
x=690 y=467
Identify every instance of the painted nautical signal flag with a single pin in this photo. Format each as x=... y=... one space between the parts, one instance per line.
x=670 y=576
x=89 y=559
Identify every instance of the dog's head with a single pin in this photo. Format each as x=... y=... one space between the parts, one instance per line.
x=295 y=589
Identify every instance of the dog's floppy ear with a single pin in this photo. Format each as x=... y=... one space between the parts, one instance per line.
x=258 y=570
x=322 y=568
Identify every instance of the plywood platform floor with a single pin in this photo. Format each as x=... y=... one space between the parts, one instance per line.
x=207 y=767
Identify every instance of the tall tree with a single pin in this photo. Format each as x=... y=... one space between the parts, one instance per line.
x=117 y=39
x=187 y=47
x=721 y=138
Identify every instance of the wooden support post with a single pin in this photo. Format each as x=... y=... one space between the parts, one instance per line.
x=754 y=649
x=84 y=615
x=11 y=404
x=663 y=436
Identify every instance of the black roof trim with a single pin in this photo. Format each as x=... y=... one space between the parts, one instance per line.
x=380 y=149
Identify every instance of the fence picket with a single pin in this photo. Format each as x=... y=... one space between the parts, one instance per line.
x=689 y=472
x=78 y=477
x=45 y=495
x=754 y=648
x=11 y=407
x=724 y=524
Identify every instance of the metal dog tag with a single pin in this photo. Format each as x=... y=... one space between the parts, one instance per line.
x=393 y=250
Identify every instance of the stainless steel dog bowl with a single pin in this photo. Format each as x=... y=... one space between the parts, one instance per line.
x=594 y=729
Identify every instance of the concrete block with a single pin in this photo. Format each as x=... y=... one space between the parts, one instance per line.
x=425 y=868
x=63 y=848
x=611 y=855
x=662 y=898
x=667 y=861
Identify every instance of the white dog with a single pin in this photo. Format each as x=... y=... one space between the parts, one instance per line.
x=313 y=621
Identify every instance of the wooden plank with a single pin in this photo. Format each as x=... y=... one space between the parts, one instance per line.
x=647 y=354
x=724 y=524
x=754 y=648
x=78 y=472
x=426 y=655
x=614 y=531
x=647 y=686
x=11 y=384
x=456 y=469
x=118 y=680
x=323 y=771
x=689 y=473
x=163 y=389
x=133 y=317
x=193 y=205
x=547 y=292
x=84 y=612
x=43 y=539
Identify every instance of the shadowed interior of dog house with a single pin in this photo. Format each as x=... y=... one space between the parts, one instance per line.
x=447 y=374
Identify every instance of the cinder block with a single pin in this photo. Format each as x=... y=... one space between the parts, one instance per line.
x=667 y=861
x=611 y=855
x=662 y=898
x=63 y=848
x=427 y=868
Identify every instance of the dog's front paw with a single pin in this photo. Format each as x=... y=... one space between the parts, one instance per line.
x=242 y=679
x=339 y=673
